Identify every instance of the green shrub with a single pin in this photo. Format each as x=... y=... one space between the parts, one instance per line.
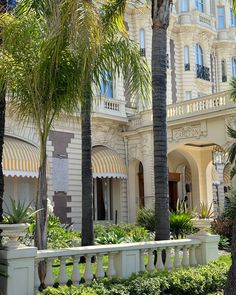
x=146 y=218
x=180 y=224
x=202 y=280
x=119 y=233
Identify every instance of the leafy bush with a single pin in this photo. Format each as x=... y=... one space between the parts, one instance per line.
x=202 y=280
x=222 y=226
x=119 y=233
x=180 y=221
x=146 y=218
x=180 y=224
x=224 y=243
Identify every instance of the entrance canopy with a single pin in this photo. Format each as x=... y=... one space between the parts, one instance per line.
x=20 y=158
x=107 y=163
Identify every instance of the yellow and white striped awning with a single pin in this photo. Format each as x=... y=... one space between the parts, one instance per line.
x=20 y=158
x=107 y=163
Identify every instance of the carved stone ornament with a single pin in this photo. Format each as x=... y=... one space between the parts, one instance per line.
x=189 y=131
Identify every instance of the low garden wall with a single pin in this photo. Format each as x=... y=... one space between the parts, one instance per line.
x=21 y=264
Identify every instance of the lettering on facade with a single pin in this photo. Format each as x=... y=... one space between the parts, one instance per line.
x=193 y=131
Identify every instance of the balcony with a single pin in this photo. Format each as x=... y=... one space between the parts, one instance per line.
x=109 y=108
x=203 y=72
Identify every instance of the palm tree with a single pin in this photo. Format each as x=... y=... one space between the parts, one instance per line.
x=160 y=20
x=41 y=71
x=231 y=211
x=113 y=52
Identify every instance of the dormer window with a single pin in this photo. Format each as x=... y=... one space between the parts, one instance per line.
x=142 y=42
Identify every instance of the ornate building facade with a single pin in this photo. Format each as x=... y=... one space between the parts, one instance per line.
x=201 y=62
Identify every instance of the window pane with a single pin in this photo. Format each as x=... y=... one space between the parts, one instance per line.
x=142 y=38
x=106 y=85
x=221 y=17
x=186 y=55
x=233 y=18
x=199 y=55
x=233 y=67
x=199 y=5
x=184 y=6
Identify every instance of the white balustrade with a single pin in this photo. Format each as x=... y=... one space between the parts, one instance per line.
x=36 y=275
x=49 y=279
x=123 y=259
x=76 y=273
x=111 y=272
x=109 y=106
x=62 y=278
x=88 y=274
x=100 y=271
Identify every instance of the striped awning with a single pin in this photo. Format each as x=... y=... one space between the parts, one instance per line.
x=20 y=158
x=107 y=163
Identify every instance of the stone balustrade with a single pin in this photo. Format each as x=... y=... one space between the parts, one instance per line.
x=109 y=107
x=121 y=260
x=205 y=104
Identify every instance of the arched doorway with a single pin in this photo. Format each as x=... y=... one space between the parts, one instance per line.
x=141 y=186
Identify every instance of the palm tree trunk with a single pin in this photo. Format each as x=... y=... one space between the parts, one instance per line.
x=3 y=8
x=41 y=205
x=160 y=16
x=87 y=185
x=231 y=280
x=2 y=131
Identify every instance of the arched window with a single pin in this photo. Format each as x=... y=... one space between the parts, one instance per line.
x=199 y=5
x=106 y=84
x=223 y=70
x=199 y=55
x=186 y=58
x=234 y=67
x=142 y=42
x=184 y=6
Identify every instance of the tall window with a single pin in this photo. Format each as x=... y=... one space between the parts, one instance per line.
x=199 y=55
x=106 y=85
x=223 y=70
x=234 y=67
x=233 y=18
x=186 y=58
x=184 y=6
x=199 y=5
x=221 y=17
x=142 y=42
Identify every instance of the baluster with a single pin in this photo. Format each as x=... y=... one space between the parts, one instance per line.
x=142 y=264
x=177 y=262
x=168 y=264
x=88 y=274
x=192 y=255
x=159 y=264
x=185 y=261
x=151 y=266
x=100 y=271
x=49 y=279
x=62 y=278
x=111 y=272
x=36 y=276
x=76 y=273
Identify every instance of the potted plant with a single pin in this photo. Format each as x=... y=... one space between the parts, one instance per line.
x=204 y=217
x=15 y=222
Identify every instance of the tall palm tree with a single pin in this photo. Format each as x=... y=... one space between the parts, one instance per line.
x=160 y=20
x=231 y=211
x=113 y=52
x=41 y=70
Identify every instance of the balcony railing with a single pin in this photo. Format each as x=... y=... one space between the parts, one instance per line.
x=187 y=67
x=203 y=72
x=109 y=107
